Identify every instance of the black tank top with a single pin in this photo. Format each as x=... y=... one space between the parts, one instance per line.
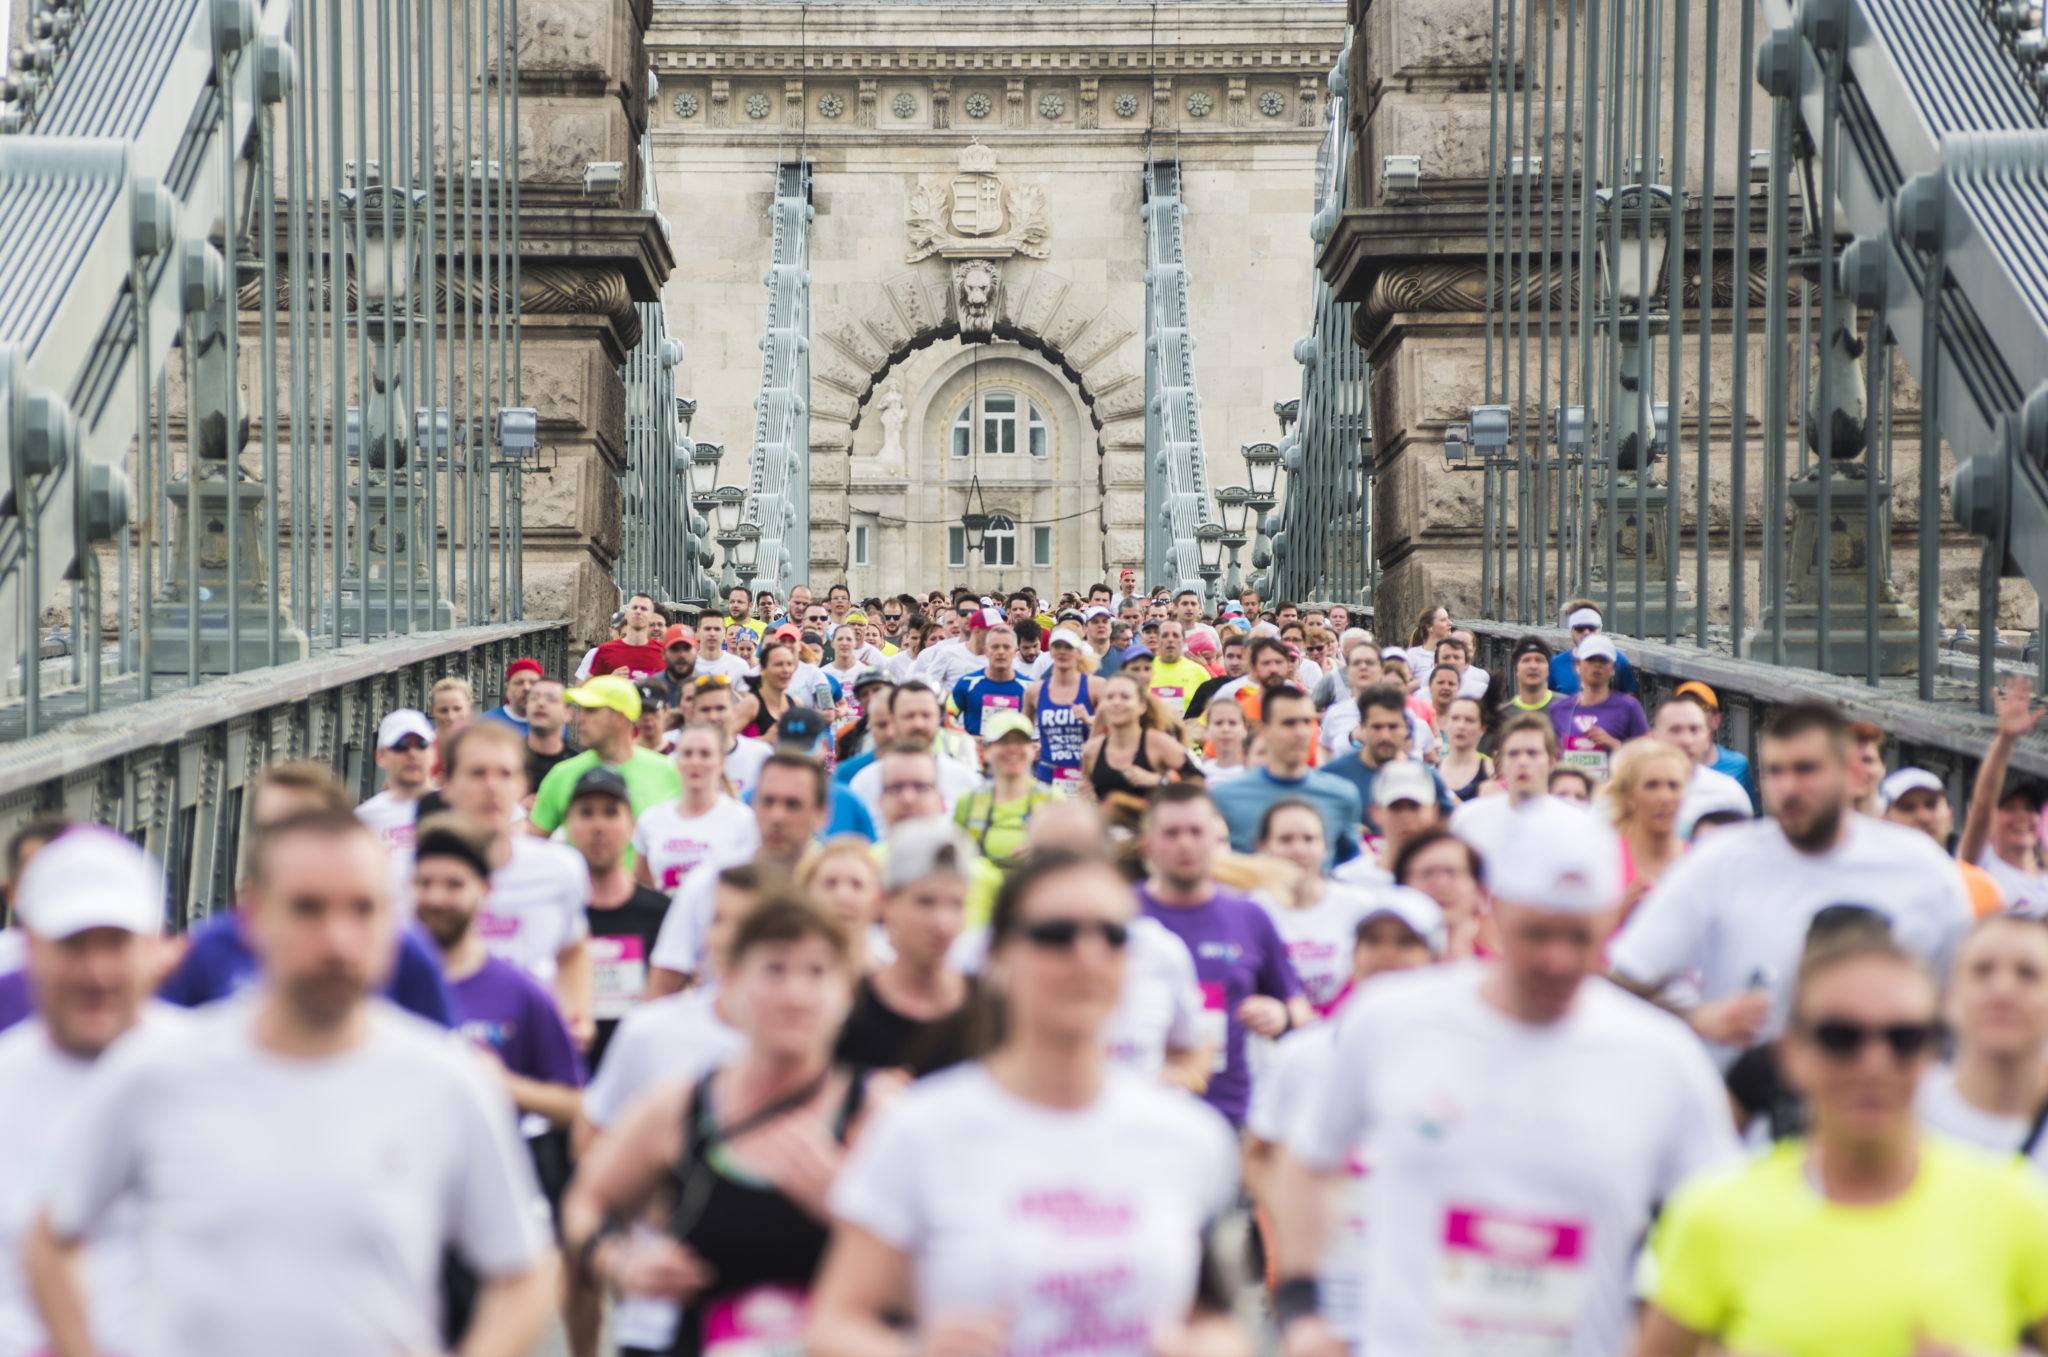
x=763 y=725
x=1106 y=779
x=746 y=1231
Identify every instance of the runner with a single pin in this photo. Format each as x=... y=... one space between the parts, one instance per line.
x=90 y=905
x=678 y=663
x=607 y=714
x=1226 y=754
x=1460 y=766
x=1040 y=1201
x=713 y=660
x=994 y=686
x=1521 y=1125
x=624 y=915
x=1383 y=740
x=1287 y=731
x=914 y=720
x=2002 y=830
x=1175 y=678
x=307 y=1105
x=636 y=653
x=997 y=816
x=843 y=879
x=534 y=916
x=714 y=706
x=452 y=704
x=1827 y=1244
x=1247 y=982
x=405 y=755
x=1132 y=752
x=1447 y=869
x=1994 y=1089
x=547 y=716
x=1062 y=706
x=1525 y=752
x=520 y=676
x=1529 y=666
x=1594 y=720
x=916 y=1012
x=1917 y=799
x=742 y=1159
x=671 y=838
x=1732 y=915
x=1319 y=923
x=1643 y=800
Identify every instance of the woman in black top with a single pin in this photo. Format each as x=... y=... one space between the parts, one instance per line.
x=1132 y=752
x=741 y=1159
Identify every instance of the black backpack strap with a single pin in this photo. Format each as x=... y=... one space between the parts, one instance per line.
x=2034 y=1130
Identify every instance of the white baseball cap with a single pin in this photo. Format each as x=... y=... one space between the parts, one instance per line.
x=926 y=846
x=1556 y=856
x=1415 y=909
x=1909 y=780
x=90 y=877
x=1403 y=780
x=1066 y=636
x=398 y=724
x=1596 y=647
x=1712 y=796
x=1097 y=611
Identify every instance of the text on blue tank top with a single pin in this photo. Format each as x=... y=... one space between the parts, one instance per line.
x=1063 y=726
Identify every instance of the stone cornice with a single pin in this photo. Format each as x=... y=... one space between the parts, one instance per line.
x=779 y=59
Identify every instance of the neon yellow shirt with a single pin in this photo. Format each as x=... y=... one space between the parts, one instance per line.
x=753 y=624
x=1760 y=1261
x=1175 y=684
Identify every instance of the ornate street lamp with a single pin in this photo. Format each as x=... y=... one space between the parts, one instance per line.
x=1233 y=505
x=1639 y=257
x=704 y=459
x=975 y=518
x=1262 y=469
x=1209 y=544
x=747 y=551
x=728 y=501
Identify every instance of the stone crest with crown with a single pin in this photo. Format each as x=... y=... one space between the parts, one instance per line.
x=977 y=214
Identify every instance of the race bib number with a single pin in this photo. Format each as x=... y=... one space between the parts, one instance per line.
x=1167 y=694
x=1001 y=702
x=618 y=974
x=1213 y=1026
x=1581 y=752
x=1508 y=1286
x=767 y=1321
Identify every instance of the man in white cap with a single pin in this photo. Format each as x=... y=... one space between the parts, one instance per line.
x=1582 y=619
x=1403 y=929
x=299 y=1162
x=1595 y=721
x=1522 y=1124
x=91 y=904
x=405 y=755
x=1917 y=799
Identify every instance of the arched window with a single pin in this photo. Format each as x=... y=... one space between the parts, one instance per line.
x=1001 y=413
x=999 y=546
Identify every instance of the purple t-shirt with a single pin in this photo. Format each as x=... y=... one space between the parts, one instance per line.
x=17 y=1000
x=504 y=1008
x=1238 y=953
x=1618 y=714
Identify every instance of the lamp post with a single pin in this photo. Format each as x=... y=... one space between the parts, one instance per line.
x=1209 y=544
x=1262 y=469
x=1233 y=504
x=726 y=503
x=1634 y=242
x=974 y=518
x=747 y=552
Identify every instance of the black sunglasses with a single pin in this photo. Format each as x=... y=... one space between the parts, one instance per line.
x=1064 y=933
x=1844 y=1041
x=409 y=744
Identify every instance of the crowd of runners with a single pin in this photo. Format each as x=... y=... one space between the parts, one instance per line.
x=1093 y=975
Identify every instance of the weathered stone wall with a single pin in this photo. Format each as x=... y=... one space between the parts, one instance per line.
x=1065 y=93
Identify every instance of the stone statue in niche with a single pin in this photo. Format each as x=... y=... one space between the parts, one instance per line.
x=976 y=282
x=889 y=409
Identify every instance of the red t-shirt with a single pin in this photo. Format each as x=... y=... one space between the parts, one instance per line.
x=640 y=661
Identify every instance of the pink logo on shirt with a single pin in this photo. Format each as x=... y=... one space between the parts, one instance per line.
x=1075 y=1212
x=498 y=926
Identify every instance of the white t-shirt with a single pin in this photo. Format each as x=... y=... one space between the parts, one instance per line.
x=535 y=908
x=726 y=663
x=944 y=665
x=899 y=666
x=40 y=1089
x=393 y=819
x=584 y=666
x=1341 y=717
x=1300 y=1063
x=1943 y=1110
x=744 y=761
x=1083 y=1227
x=1321 y=939
x=1037 y=669
x=671 y=843
x=1484 y=819
x=1160 y=1008
x=1514 y=1165
x=679 y=946
x=956 y=779
x=1709 y=787
x=1735 y=909
x=301 y=1206
x=2024 y=892
x=804 y=685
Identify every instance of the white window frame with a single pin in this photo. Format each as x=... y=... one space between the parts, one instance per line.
x=1037 y=432
x=999 y=543
x=1041 y=547
x=999 y=427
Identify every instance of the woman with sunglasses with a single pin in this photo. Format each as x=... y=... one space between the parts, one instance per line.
x=1039 y=1200
x=1863 y=1236
x=741 y=1159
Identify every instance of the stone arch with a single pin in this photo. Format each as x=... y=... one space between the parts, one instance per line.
x=1074 y=328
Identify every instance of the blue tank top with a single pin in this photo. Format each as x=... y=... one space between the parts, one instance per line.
x=1062 y=730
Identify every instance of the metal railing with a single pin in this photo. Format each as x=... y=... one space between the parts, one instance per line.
x=773 y=540
x=306 y=201
x=174 y=773
x=1868 y=182
x=1322 y=540
x=1176 y=493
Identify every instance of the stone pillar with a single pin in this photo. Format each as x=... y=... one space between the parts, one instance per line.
x=586 y=261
